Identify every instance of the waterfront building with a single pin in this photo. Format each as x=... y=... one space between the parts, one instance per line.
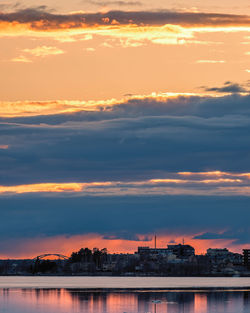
x=246 y=258
x=153 y=251
x=171 y=252
x=223 y=256
x=181 y=251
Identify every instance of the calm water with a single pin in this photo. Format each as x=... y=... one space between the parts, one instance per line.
x=80 y=301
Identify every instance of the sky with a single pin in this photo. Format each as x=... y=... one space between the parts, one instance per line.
x=120 y=120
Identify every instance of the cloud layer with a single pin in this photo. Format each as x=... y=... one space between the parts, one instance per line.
x=172 y=164
x=135 y=27
x=136 y=139
x=39 y=19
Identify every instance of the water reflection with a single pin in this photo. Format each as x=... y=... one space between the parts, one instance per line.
x=80 y=301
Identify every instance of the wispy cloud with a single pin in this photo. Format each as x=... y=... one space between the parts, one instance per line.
x=89 y=49
x=211 y=61
x=43 y=51
x=115 y=3
x=211 y=183
x=21 y=59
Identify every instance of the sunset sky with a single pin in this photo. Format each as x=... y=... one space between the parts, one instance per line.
x=122 y=119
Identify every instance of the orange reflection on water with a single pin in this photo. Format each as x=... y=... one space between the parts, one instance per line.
x=200 y=303
x=82 y=301
x=27 y=299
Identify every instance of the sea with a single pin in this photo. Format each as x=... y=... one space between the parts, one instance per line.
x=124 y=295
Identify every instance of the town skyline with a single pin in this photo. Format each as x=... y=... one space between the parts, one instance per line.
x=173 y=260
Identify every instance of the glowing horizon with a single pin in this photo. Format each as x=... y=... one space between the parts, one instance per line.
x=66 y=245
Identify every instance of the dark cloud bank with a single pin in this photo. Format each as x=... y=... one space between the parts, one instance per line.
x=53 y=21
x=140 y=139
x=26 y=217
x=229 y=87
x=135 y=140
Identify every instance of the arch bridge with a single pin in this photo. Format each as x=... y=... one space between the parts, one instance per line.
x=43 y=256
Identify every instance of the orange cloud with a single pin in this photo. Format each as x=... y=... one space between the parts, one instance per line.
x=218 y=184
x=4 y=147
x=46 y=187
x=133 y=34
x=170 y=28
x=35 y=108
x=211 y=61
x=21 y=59
x=43 y=51
x=215 y=173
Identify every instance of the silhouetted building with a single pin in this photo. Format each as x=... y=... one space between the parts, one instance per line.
x=181 y=251
x=153 y=251
x=216 y=251
x=246 y=257
x=177 y=251
x=224 y=256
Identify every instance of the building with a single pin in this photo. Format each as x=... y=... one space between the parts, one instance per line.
x=246 y=258
x=181 y=251
x=217 y=252
x=153 y=251
x=224 y=256
x=217 y=255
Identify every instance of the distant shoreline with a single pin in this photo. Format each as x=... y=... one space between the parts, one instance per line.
x=124 y=275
